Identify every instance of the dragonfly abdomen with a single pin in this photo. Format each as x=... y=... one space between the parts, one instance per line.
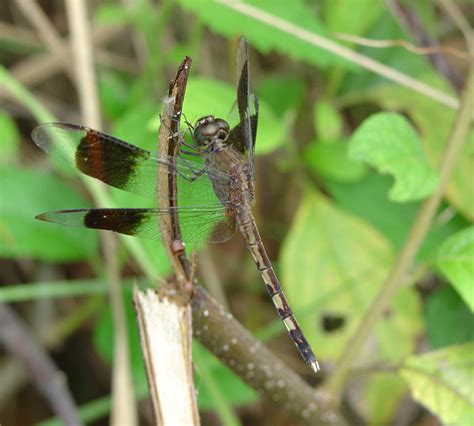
x=249 y=231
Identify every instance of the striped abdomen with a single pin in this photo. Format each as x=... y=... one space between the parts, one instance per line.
x=249 y=231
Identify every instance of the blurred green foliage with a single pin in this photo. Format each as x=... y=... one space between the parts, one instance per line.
x=445 y=315
x=24 y=237
x=351 y=218
x=442 y=381
x=456 y=262
x=10 y=139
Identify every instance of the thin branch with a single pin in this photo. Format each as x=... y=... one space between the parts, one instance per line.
x=117 y=61
x=343 y=52
x=34 y=70
x=15 y=89
x=14 y=376
x=419 y=50
x=47 y=377
x=460 y=20
x=46 y=32
x=19 y=35
x=168 y=146
x=418 y=231
x=164 y=319
x=139 y=42
x=84 y=63
x=410 y=20
x=30 y=42
x=123 y=401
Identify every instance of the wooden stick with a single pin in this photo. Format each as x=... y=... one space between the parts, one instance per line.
x=165 y=335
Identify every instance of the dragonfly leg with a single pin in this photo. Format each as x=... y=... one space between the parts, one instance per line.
x=194 y=176
x=190 y=128
x=187 y=122
x=195 y=154
x=182 y=140
x=178 y=134
x=189 y=145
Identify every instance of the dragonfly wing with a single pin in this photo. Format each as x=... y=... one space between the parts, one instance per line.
x=243 y=95
x=253 y=114
x=237 y=136
x=96 y=154
x=243 y=136
x=125 y=166
x=197 y=224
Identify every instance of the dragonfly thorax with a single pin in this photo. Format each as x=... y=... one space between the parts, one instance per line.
x=211 y=132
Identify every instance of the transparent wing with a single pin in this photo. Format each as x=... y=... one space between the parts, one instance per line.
x=212 y=225
x=128 y=167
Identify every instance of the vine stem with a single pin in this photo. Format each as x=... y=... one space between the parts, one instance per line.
x=418 y=231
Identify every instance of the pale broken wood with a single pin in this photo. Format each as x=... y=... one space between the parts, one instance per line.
x=165 y=333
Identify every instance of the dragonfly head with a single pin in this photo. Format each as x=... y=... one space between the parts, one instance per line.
x=210 y=130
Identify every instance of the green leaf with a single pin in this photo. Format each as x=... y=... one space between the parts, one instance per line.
x=331 y=161
x=134 y=126
x=402 y=323
x=114 y=95
x=448 y=320
x=443 y=381
x=204 y=96
x=456 y=262
x=434 y=121
x=388 y=142
x=351 y=16
x=9 y=139
x=51 y=290
x=281 y=93
x=265 y=37
x=25 y=194
x=367 y=199
x=112 y=14
x=332 y=263
x=327 y=121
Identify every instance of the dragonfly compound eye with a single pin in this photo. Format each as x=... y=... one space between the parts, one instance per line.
x=209 y=128
x=224 y=125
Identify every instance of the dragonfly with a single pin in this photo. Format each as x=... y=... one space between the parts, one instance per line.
x=215 y=175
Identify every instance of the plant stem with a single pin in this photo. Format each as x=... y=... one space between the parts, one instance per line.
x=24 y=96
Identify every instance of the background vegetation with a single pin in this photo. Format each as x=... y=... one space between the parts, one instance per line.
x=346 y=159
